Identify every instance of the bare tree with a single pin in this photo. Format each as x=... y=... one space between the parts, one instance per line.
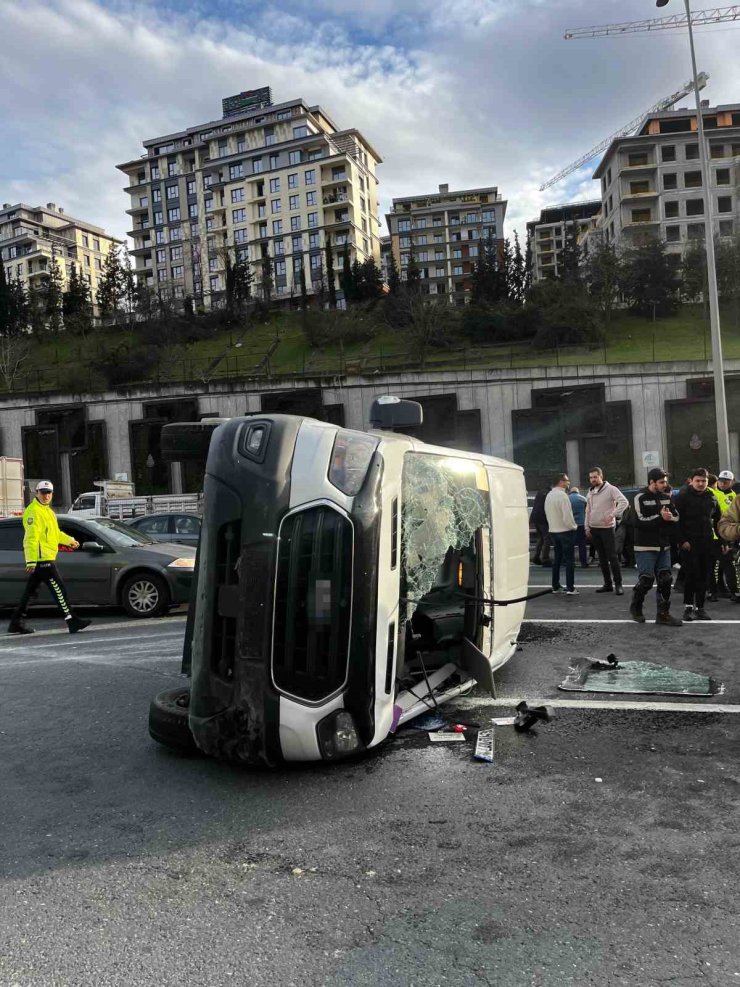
x=14 y=351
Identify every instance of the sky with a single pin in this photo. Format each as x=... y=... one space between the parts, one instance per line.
x=470 y=93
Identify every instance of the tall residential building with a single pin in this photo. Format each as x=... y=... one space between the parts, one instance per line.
x=31 y=237
x=266 y=180
x=652 y=183
x=444 y=231
x=547 y=235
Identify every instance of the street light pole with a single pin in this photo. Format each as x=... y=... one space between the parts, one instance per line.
x=720 y=400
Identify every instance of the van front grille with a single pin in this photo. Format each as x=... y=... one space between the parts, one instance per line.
x=313 y=604
x=226 y=572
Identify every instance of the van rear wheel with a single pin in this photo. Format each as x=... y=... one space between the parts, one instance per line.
x=168 y=721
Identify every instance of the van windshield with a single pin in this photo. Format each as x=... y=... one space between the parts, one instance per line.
x=445 y=504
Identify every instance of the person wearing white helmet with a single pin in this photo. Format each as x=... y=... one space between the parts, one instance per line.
x=41 y=541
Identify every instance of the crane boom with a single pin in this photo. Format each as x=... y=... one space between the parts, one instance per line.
x=699 y=18
x=662 y=104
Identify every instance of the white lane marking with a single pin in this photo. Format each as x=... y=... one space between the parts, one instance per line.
x=77 y=643
x=94 y=629
x=589 y=620
x=117 y=659
x=615 y=704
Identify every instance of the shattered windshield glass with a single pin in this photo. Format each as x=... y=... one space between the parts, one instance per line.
x=445 y=501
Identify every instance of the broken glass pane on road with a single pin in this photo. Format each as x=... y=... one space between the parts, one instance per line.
x=637 y=677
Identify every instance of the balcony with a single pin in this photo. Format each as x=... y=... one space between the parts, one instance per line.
x=334 y=179
x=340 y=197
x=650 y=194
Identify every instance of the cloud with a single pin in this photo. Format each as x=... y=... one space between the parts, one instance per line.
x=469 y=92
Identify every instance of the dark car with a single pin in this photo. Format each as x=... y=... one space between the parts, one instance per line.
x=173 y=527
x=114 y=566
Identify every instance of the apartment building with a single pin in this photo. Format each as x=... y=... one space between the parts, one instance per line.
x=547 y=235
x=444 y=231
x=32 y=237
x=266 y=180
x=651 y=183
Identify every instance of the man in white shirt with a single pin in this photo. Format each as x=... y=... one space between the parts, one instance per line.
x=563 y=528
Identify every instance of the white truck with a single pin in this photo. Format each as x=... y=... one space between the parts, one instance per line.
x=116 y=499
x=12 y=502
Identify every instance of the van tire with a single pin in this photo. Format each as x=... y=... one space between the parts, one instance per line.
x=186 y=442
x=168 y=721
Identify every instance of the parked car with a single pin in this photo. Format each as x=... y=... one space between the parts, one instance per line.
x=172 y=527
x=346 y=583
x=114 y=566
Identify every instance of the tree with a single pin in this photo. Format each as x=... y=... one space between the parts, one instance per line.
x=371 y=285
x=562 y=314
x=77 y=304
x=14 y=351
x=237 y=279
x=528 y=265
x=266 y=281
x=694 y=283
x=728 y=267
x=330 y=276
x=19 y=313
x=603 y=273
x=356 y=289
x=413 y=275
x=346 y=278
x=52 y=291
x=518 y=274
x=5 y=302
x=128 y=282
x=650 y=278
x=570 y=262
x=304 y=290
x=427 y=322
x=111 y=286
x=36 y=308
x=394 y=279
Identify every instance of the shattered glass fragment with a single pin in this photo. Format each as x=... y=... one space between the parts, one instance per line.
x=638 y=677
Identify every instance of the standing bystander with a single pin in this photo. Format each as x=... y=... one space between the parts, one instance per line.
x=653 y=519
x=539 y=519
x=604 y=504
x=578 y=506
x=562 y=527
x=697 y=515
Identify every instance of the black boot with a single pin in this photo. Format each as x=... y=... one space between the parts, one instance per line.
x=664 y=614
x=606 y=588
x=19 y=626
x=77 y=624
x=639 y=592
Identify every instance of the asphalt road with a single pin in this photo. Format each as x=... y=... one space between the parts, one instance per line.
x=604 y=850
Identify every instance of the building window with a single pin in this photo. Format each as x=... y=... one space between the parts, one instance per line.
x=673 y=234
x=238 y=215
x=277 y=226
x=156 y=195
x=692 y=152
x=668 y=152
x=160 y=236
x=293 y=180
x=275 y=205
x=262 y=231
x=404 y=241
x=173 y=215
x=692 y=179
x=155 y=172
x=297 y=265
x=670 y=181
x=158 y=218
x=207 y=181
x=637 y=159
x=194 y=233
x=301 y=131
x=279 y=245
x=280 y=268
x=236 y=171
x=274 y=184
x=716 y=150
x=256 y=166
x=193 y=210
x=237 y=195
x=85 y=241
x=723 y=176
x=726 y=228
x=457 y=253
x=143 y=201
x=215 y=281
x=175 y=253
x=208 y=201
x=241 y=143
x=274 y=160
x=309 y=176
x=724 y=203
x=296 y=243
x=241 y=236
x=171 y=168
x=671 y=210
x=638 y=188
x=457 y=270
x=161 y=275
x=315 y=262
x=295 y=222
x=161 y=256
x=421 y=239
x=404 y=225
x=261 y=210
x=294 y=157
x=313 y=219
x=190 y=186
x=310 y=198
x=695 y=231
x=314 y=240
x=175 y=233
x=641 y=215
x=294 y=202
x=177 y=272
x=695 y=207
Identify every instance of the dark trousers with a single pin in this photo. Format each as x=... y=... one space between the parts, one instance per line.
x=542 y=545
x=695 y=563
x=722 y=569
x=563 y=553
x=603 y=541
x=44 y=573
x=581 y=544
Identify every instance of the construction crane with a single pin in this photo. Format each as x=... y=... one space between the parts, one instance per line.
x=662 y=104
x=700 y=18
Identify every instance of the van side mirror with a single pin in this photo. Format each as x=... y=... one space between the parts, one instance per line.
x=389 y=412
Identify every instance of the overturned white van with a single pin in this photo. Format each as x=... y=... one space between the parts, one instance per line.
x=346 y=581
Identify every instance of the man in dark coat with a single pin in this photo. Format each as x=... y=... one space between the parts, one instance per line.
x=698 y=514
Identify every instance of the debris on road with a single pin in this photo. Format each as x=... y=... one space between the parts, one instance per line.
x=526 y=718
x=441 y=736
x=639 y=677
x=484 y=746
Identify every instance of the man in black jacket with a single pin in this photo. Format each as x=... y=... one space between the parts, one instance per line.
x=698 y=514
x=654 y=519
x=539 y=519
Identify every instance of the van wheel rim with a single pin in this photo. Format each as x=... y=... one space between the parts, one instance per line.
x=143 y=596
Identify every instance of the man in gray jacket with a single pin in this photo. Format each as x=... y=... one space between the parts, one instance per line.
x=604 y=504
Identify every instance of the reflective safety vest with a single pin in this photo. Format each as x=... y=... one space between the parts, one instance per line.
x=41 y=534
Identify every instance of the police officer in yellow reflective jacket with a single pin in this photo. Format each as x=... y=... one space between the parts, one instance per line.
x=41 y=541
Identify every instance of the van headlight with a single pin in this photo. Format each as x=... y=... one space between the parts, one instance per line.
x=350 y=459
x=338 y=735
x=181 y=564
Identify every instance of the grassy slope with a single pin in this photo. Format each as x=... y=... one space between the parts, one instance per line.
x=684 y=336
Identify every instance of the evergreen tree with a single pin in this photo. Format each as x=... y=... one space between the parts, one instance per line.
x=372 y=282
x=266 y=280
x=53 y=290
x=528 y=265
x=357 y=281
x=128 y=282
x=603 y=273
x=518 y=277
x=304 y=290
x=570 y=259
x=19 y=313
x=394 y=279
x=238 y=280
x=77 y=304
x=346 y=279
x=413 y=275
x=650 y=279
x=330 y=276
x=504 y=263
x=694 y=282
x=5 y=302
x=111 y=286
x=36 y=304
